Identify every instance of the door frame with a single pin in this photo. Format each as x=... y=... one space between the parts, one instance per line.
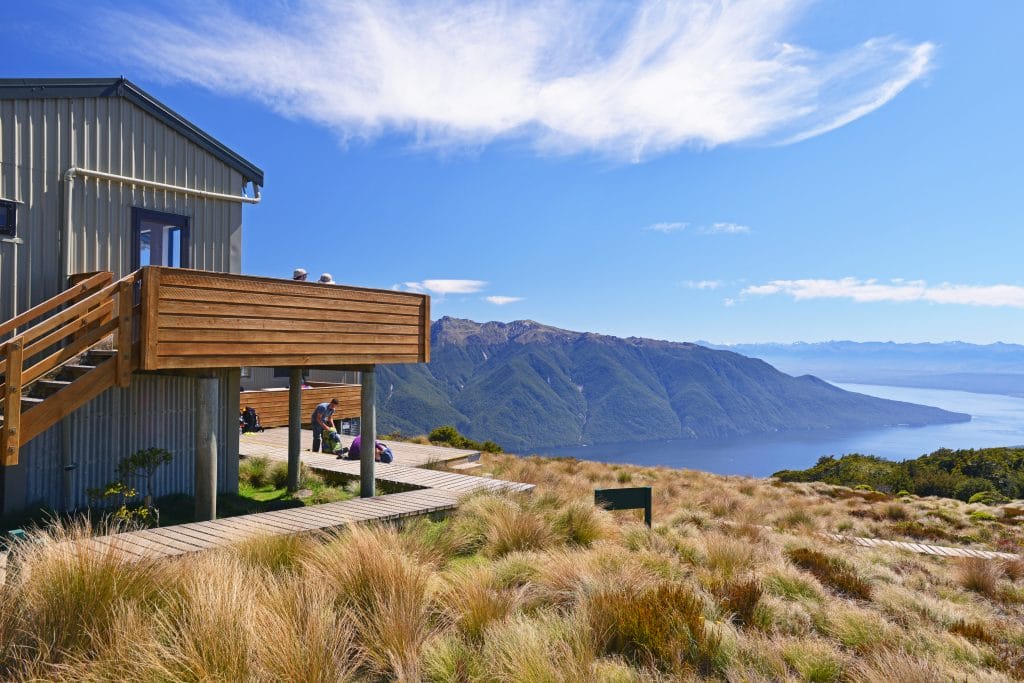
x=184 y=223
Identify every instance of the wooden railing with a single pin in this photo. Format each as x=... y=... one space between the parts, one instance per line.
x=94 y=309
x=272 y=404
x=198 y=319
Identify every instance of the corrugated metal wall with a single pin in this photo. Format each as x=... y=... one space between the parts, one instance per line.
x=155 y=411
x=41 y=138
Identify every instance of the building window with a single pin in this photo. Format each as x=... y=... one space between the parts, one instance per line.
x=287 y=372
x=8 y=218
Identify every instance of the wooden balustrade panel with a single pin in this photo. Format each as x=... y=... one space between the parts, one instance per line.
x=197 y=319
x=272 y=404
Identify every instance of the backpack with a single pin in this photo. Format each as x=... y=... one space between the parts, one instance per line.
x=251 y=420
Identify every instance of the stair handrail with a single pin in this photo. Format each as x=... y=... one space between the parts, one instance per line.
x=82 y=288
x=88 y=319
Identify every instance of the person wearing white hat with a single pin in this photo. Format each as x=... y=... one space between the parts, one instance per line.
x=299 y=274
x=326 y=279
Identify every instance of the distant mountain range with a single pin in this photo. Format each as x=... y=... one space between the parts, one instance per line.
x=987 y=369
x=528 y=386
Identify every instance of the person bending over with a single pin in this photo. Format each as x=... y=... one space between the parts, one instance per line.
x=322 y=420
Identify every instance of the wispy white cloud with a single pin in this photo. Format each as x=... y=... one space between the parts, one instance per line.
x=443 y=287
x=629 y=81
x=666 y=227
x=898 y=290
x=502 y=300
x=725 y=229
x=702 y=284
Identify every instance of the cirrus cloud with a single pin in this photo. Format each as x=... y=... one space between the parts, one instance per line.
x=627 y=81
x=897 y=290
x=443 y=287
x=502 y=300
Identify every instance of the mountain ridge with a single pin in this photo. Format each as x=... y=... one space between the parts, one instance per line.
x=528 y=385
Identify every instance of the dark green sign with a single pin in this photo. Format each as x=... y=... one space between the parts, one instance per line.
x=625 y=499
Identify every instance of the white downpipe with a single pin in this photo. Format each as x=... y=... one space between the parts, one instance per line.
x=14 y=242
x=69 y=176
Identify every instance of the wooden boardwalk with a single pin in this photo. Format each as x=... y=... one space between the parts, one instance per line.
x=920 y=548
x=408 y=476
x=182 y=539
x=436 y=491
x=275 y=441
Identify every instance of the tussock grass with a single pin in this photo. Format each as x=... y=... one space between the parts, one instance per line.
x=542 y=587
x=831 y=571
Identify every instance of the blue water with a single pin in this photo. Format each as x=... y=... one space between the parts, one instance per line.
x=995 y=421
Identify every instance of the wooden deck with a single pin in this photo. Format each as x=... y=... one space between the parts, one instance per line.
x=274 y=442
x=436 y=491
x=408 y=476
x=272 y=404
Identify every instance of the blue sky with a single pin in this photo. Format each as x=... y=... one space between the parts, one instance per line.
x=770 y=171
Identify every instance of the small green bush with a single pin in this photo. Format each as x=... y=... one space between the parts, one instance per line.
x=988 y=498
x=253 y=471
x=450 y=435
x=982 y=516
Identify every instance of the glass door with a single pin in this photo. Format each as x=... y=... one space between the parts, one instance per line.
x=160 y=239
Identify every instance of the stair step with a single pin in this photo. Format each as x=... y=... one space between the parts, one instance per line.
x=46 y=387
x=76 y=370
x=103 y=353
x=29 y=402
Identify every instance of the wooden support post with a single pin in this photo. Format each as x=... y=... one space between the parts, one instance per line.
x=10 y=433
x=149 y=310
x=125 y=303
x=207 y=407
x=294 y=426
x=367 y=433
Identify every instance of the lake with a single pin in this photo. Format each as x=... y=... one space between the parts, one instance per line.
x=995 y=421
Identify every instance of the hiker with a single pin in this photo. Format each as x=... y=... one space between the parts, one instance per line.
x=383 y=453
x=322 y=420
x=300 y=274
x=326 y=279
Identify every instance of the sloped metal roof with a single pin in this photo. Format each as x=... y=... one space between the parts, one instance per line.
x=59 y=88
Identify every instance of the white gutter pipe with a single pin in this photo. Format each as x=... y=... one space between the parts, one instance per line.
x=69 y=176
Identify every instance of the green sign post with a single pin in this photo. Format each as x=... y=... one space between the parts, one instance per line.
x=626 y=499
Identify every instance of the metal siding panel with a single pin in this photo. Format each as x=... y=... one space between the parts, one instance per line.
x=155 y=411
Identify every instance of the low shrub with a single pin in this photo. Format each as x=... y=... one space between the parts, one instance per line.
x=988 y=498
x=253 y=471
x=831 y=571
x=448 y=434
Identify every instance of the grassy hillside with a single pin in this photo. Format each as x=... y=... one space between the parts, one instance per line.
x=732 y=584
x=527 y=386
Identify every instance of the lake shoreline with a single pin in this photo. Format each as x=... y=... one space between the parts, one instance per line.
x=997 y=420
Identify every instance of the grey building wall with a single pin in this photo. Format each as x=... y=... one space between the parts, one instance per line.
x=41 y=138
x=263 y=378
x=155 y=411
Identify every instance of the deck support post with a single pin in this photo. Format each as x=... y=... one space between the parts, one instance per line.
x=367 y=432
x=294 y=427
x=207 y=409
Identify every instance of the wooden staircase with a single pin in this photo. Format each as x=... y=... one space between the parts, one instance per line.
x=54 y=365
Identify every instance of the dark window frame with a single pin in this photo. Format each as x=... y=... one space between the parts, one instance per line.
x=9 y=228
x=184 y=223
